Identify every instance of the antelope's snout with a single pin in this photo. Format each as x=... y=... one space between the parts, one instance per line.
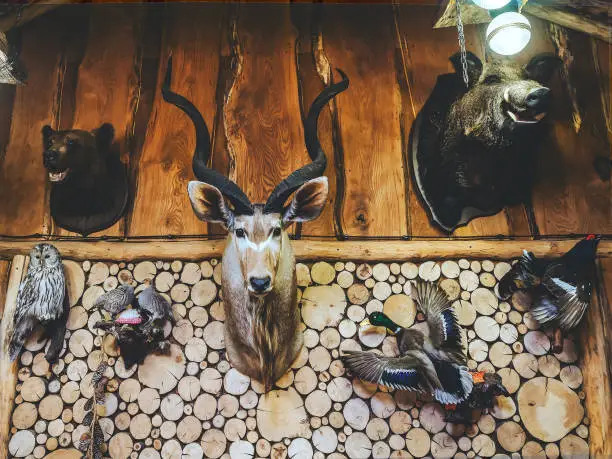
x=260 y=285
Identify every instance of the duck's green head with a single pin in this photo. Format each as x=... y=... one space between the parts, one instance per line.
x=380 y=319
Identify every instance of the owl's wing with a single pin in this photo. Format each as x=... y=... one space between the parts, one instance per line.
x=27 y=295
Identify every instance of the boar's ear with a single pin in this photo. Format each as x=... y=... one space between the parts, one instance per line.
x=208 y=204
x=47 y=132
x=474 y=66
x=541 y=67
x=104 y=136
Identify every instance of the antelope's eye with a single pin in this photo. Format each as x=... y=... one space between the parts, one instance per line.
x=46 y=257
x=240 y=233
x=276 y=232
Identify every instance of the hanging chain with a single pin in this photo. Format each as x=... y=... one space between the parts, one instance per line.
x=466 y=78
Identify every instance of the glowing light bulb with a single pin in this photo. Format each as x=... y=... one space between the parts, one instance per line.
x=508 y=33
x=491 y=4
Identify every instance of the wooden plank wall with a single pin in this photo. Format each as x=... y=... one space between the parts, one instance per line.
x=253 y=72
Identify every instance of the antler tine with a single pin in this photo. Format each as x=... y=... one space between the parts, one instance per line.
x=316 y=168
x=201 y=154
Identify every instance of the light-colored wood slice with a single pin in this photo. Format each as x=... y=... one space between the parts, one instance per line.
x=172 y=407
x=486 y=328
x=484 y=301
x=123 y=372
x=235 y=429
x=501 y=268
x=452 y=288
x=533 y=449
x=311 y=338
x=478 y=350
x=401 y=309
x=508 y=333
x=382 y=405
x=330 y=338
x=504 y=408
x=339 y=389
x=536 y=343
x=144 y=270
x=179 y=293
x=97 y=274
x=33 y=389
x=281 y=414
x=305 y=380
x=207 y=269
x=189 y=429
x=571 y=376
x=189 y=388
x=371 y=336
x=198 y=316
x=364 y=271
x=22 y=443
x=24 y=416
x=483 y=446
x=191 y=273
x=450 y=269
x=195 y=350
x=381 y=291
x=81 y=343
x=381 y=272
x=549 y=366
x=172 y=449
x=318 y=403
x=164 y=281
x=347 y=328
x=542 y=399
x=569 y=353
x=573 y=447
x=488 y=280
x=468 y=280
x=120 y=446
x=214 y=335
x=443 y=445
x=167 y=429
x=228 y=405
x=322 y=273
x=511 y=436
x=286 y=380
x=324 y=439
x=319 y=359
x=323 y=306
x=162 y=372
x=429 y=271
x=211 y=381
x=70 y=392
x=129 y=390
x=500 y=354
x=204 y=292
x=205 y=407
x=345 y=279
x=50 y=407
x=400 y=422
x=236 y=383
x=140 y=426
x=40 y=366
x=302 y=273
x=431 y=417
x=418 y=442
x=241 y=449
x=192 y=451
x=122 y=420
x=358 y=445
x=465 y=312
x=526 y=365
x=356 y=413
x=213 y=443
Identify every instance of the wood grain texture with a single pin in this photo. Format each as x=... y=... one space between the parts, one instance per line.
x=161 y=206
x=314 y=73
x=262 y=116
x=195 y=249
x=360 y=40
x=424 y=54
x=8 y=369
x=107 y=85
x=23 y=182
x=570 y=198
x=5 y=267
x=596 y=344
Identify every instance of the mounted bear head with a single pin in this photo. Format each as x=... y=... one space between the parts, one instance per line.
x=77 y=156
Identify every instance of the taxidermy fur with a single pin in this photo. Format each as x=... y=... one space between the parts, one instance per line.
x=477 y=146
x=89 y=182
x=42 y=300
x=262 y=335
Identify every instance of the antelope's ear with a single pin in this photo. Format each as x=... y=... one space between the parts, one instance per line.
x=308 y=201
x=208 y=204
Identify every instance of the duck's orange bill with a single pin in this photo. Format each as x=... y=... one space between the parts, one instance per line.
x=450 y=407
x=477 y=376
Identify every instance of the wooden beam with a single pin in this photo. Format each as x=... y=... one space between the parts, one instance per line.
x=194 y=249
x=34 y=9
x=8 y=369
x=573 y=14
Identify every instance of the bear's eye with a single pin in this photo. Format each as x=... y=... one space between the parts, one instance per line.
x=70 y=142
x=240 y=233
x=276 y=232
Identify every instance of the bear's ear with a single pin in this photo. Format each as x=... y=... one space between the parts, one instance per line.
x=47 y=132
x=104 y=136
x=474 y=66
x=542 y=67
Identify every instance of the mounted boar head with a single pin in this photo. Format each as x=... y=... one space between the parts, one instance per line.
x=502 y=97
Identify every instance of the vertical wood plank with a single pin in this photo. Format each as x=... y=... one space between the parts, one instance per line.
x=8 y=369
x=262 y=116
x=161 y=207
x=596 y=343
x=314 y=73
x=107 y=85
x=570 y=198
x=424 y=54
x=5 y=267
x=23 y=181
x=359 y=39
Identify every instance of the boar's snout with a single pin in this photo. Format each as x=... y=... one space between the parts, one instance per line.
x=539 y=99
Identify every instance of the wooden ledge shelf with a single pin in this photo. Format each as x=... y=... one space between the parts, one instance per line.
x=194 y=249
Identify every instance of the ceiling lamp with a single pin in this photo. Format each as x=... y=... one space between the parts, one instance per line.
x=508 y=33
x=491 y=4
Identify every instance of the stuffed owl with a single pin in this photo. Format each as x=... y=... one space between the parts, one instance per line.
x=42 y=300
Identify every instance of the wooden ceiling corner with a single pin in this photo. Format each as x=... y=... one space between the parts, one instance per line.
x=592 y=18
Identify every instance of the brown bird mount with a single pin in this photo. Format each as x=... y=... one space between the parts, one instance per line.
x=89 y=183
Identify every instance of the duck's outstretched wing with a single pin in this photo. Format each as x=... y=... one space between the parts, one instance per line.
x=412 y=372
x=444 y=330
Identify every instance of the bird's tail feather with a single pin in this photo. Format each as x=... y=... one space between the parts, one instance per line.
x=545 y=310
x=431 y=299
x=466 y=385
x=571 y=311
x=21 y=331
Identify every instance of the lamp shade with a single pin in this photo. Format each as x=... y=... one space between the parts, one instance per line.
x=491 y=4
x=508 y=33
